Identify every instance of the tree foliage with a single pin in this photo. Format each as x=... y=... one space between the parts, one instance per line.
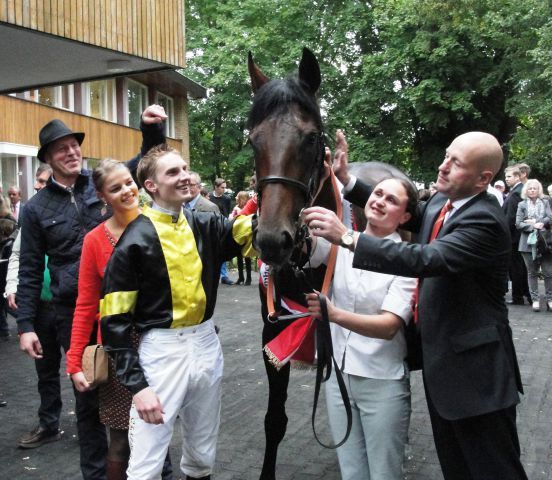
x=401 y=77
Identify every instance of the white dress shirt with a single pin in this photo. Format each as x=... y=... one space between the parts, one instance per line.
x=366 y=292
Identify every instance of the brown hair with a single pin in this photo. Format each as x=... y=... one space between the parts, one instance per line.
x=148 y=163
x=7 y=227
x=104 y=168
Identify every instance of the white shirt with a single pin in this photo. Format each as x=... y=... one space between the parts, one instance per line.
x=366 y=292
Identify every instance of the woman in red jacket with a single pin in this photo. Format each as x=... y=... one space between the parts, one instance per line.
x=115 y=186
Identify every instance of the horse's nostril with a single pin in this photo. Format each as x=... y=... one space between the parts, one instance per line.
x=288 y=241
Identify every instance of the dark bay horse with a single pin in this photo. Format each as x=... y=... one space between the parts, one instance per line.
x=287 y=137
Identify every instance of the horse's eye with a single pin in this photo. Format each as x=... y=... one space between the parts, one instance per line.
x=311 y=139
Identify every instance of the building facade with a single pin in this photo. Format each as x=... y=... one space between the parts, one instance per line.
x=95 y=64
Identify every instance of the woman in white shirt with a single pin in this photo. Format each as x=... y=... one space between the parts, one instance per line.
x=368 y=312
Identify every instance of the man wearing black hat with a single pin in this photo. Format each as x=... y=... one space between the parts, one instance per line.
x=54 y=223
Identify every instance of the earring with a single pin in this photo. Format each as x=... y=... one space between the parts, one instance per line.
x=103 y=211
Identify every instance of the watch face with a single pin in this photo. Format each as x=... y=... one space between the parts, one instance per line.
x=347 y=239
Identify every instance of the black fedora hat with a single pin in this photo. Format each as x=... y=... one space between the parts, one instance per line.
x=53 y=131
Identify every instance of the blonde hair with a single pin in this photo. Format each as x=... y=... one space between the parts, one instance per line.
x=243 y=196
x=532 y=182
x=104 y=168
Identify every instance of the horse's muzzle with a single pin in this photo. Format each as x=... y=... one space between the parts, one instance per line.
x=275 y=247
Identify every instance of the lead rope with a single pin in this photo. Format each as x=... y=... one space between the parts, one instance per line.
x=325 y=358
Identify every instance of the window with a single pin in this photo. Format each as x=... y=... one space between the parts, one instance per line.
x=137 y=98
x=100 y=99
x=168 y=104
x=8 y=172
x=59 y=97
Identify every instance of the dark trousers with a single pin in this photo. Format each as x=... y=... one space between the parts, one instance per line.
x=4 y=329
x=518 y=276
x=240 y=261
x=47 y=368
x=485 y=447
x=92 y=434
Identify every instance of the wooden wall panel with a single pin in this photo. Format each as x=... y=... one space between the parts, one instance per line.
x=152 y=29
x=103 y=139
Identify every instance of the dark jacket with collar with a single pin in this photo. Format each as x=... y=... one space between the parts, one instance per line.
x=149 y=276
x=469 y=362
x=510 y=207
x=54 y=223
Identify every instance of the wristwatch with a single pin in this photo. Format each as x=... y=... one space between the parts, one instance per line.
x=348 y=240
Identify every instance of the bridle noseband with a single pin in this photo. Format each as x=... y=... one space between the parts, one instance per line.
x=309 y=189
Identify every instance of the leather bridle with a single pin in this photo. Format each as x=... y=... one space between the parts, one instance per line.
x=310 y=189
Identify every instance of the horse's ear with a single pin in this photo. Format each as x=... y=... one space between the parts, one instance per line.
x=258 y=78
x=309 y=71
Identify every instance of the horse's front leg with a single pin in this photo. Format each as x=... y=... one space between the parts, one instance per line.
x=276 y=418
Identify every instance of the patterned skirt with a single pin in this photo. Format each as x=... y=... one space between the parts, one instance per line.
x=115 y=398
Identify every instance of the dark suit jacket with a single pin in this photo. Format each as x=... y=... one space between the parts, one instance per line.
x=469 y=361
x=510 y=207
x=204 y=205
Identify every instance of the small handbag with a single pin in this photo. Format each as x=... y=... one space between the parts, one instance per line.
x=95 y=365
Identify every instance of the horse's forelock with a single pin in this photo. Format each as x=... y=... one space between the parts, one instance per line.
x=278 y=96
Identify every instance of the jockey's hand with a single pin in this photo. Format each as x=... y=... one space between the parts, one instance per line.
x=149 y=406
x=30 y=344
x=154 y=114
x=341 y=158
x=324 y=223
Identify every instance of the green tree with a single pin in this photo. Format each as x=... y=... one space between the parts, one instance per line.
x=401 y=77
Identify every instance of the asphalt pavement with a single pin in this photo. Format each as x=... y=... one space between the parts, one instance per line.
x=241 y=440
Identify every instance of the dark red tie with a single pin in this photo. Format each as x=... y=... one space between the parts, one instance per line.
x=447 y=207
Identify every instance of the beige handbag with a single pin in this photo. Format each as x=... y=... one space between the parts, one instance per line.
x=94 y=365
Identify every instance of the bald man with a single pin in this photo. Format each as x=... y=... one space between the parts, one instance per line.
x=470 y=371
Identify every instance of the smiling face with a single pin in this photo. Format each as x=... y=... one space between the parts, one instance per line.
x=386 y=208
x=170 y=186
x=64 y=156
x=120 y=191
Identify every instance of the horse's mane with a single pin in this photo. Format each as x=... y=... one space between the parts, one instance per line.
x=276 y=97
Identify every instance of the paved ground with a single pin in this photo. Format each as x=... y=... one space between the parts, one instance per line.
x=241 y=441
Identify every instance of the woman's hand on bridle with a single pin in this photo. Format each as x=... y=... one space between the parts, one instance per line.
x=324 y=223
x=313 y=304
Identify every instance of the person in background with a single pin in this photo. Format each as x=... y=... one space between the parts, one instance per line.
x=368 y=312
x=524 y=172
x=14 y=193
x=223 y=202
x=518 y=271
x=501 y=187
x=4 y=328
x=241 y=199
x=198 y=202
x=534 y=214
x=7 y=229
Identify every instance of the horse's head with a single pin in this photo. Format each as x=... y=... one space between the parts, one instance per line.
x=285 y=131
